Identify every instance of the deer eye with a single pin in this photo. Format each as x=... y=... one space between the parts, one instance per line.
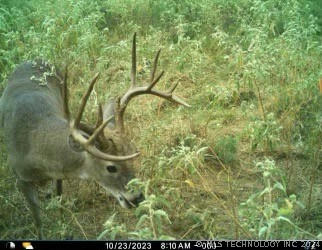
x=111 y=169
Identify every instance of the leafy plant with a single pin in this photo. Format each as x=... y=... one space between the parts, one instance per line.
x=264 y=133
x=270 y=212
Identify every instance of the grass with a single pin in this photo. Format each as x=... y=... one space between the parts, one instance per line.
x=244 y=162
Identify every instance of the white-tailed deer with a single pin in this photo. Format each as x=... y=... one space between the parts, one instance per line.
x=44 y=142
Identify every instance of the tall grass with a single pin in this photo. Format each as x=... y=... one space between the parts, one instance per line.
x=243 y=162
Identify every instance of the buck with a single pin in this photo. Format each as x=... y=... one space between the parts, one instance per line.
x=45 y=143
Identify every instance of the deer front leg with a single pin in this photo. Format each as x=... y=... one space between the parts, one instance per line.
x=59 y=187
x=30 y=193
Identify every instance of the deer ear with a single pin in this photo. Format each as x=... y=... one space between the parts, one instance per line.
x=108 y=111
x=74 y=144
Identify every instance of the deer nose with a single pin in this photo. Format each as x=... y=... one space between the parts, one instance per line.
x=138 y=198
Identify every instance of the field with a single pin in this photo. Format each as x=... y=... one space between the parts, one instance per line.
x=243 y=162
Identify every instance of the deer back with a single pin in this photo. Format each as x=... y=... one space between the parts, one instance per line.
x=33 y=122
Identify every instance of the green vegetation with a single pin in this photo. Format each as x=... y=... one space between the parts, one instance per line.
x=244 y=162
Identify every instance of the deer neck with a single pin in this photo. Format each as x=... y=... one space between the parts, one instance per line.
x=51 y=141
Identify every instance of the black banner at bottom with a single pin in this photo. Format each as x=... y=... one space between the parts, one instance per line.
x=162 y=245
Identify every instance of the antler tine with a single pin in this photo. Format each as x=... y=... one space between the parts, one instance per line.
x=65 y=94
x=99 y=116
x=133 y=71
x=155 y=64
x=169 y=96
x=98 y=130
x=84 y=101
x=155 y=81
x=178 y=100
x=173 y=87
x=119 y=113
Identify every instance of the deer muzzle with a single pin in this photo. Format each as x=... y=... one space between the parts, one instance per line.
x=130 y=200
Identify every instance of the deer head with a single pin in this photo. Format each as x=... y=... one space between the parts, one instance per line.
x=112 y=142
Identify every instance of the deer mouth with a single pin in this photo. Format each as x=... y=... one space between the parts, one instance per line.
x=130 y=200
x=127 y=199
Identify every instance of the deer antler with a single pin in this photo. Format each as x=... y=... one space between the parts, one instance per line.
x=65 y=94
x=88 y=144
x=148 y=89
x=141 y=90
